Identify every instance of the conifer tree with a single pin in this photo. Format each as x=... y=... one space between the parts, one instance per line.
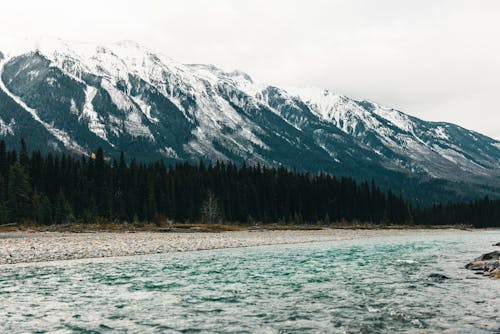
x=19 y=193
x=57 y=188
x=24 y=159
x=37 y=208
x=63 y=213
x=4 y=212
x=47 y=216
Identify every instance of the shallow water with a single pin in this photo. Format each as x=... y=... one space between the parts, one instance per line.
x=377 y=285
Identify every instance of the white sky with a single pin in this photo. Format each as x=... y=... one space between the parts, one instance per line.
x=435 y=59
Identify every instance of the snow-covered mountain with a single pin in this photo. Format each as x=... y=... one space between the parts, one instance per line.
x=77 y=97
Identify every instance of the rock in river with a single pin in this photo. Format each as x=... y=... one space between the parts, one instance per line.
x=438 y=277
x=487 y=264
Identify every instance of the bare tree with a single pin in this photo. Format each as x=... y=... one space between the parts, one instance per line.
x=210 y=211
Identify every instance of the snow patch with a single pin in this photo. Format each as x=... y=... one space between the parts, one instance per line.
x=72 y=107
x=397 y=118
x=133 y=122
x=115 y=125
x=329 y=152
x=95 y=122
x=33 y=74
x=7 y=128
x=134 y=127
x=203 y=146
x=440 y=132
x=119 y=99
x=51 y=81
x=145 y=108
x=169 y=152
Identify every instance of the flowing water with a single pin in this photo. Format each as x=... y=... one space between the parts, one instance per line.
x=376 y=285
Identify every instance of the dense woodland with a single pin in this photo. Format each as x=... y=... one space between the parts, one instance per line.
x=59 y=189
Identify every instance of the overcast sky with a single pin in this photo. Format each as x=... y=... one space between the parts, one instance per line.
x=437 y=60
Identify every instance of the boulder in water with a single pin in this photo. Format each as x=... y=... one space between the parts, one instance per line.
x=495 y=255
x=487 y=264
x=438 y=277
x=476 y=265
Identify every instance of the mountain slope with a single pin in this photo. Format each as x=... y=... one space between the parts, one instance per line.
x=76 y=97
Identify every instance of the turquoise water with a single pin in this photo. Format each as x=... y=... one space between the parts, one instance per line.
x=377 y=285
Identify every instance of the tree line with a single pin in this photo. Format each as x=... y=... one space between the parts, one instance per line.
x=58 y=188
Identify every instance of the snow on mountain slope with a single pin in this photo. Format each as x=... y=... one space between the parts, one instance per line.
x=61 y=135
x=130 y=98
x=95 y=122
x=192 y=91
x=338 y=109
x=410 y=142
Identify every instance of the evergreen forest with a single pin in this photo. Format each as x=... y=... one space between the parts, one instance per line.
x=61 y=189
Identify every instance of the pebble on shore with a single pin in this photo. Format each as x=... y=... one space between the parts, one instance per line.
x=23 y=247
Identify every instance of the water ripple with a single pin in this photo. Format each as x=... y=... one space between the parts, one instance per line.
x=378 y=285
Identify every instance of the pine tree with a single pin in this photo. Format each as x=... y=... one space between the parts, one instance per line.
x=4 y=211
x=37 y=207
x=63 y=213
x=24 y=159
x=47 y=214
x=90 y=213
x=4 y=166
x=19 y=193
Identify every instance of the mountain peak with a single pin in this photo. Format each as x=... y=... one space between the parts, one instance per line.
x=123 y=96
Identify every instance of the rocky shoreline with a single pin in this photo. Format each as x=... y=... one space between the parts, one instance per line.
x=24 y=247
x=487 y=264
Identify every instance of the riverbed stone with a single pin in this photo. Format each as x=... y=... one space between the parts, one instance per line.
x=438 y=277
x=489 y=256
x=487 y=264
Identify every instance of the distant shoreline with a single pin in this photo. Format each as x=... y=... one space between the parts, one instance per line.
x=218 y=227
x=27 y=247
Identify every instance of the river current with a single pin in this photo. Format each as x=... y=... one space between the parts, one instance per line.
x=374 y=285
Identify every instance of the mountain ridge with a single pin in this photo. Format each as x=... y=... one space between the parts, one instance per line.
x=122 y=96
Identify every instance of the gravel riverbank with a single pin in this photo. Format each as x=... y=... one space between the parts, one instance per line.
x=22 y=247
